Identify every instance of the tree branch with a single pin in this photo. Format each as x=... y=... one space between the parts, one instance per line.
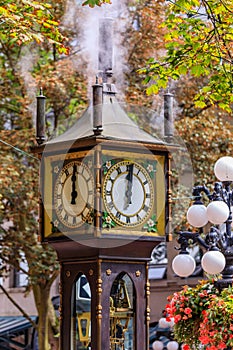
x=18 y=307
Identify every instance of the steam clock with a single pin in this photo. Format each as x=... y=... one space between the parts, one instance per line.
x=105 y=205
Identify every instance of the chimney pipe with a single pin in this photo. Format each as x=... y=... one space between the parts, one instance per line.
x=40 y=118
x=105 y=47
x=168 y=116
x=97 y=90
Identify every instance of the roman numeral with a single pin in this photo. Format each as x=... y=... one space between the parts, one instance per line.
x=118 y=215
x=127 y=219
x=111 y=205
x=148 y=195
x=60 y=207
x=65 y=217
x=88 y=205
x=81 y=169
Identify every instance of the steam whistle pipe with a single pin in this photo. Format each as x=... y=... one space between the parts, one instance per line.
x=105 y=57
x=168 y=116
x=40 y=118
x=97 y=90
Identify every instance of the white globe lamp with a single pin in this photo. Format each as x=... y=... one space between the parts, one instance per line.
x=217 y=212
x=197 y=215
x=223 y=169
x=172 y=345
x=163 y=323
x=183 y=265
x=213 y=262
x=171 y=322
x=157 y=345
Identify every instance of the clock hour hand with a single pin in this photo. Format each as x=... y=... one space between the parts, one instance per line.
x=129 y=178
x=74 y=193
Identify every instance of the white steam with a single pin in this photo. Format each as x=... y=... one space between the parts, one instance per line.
x=86 y=21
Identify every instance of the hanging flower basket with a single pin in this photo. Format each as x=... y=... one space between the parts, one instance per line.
x=203 y=316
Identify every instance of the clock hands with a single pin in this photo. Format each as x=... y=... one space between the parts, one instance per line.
x=74 y=193
x=128 y=193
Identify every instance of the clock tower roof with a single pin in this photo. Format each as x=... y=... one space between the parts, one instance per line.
x=115 y=123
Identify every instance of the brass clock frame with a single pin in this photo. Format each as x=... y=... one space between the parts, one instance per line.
x=96 y=158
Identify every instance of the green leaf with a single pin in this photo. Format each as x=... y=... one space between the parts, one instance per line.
x=152 y=89
x=197 y=70
x=200 y=104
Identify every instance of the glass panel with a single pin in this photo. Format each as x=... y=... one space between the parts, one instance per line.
x=81 y=314
x=122 y=316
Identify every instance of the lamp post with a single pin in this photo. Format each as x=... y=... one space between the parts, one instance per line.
x=218 y=242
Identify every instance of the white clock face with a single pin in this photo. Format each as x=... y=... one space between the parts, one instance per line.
x=74 y=194
x=128 y=193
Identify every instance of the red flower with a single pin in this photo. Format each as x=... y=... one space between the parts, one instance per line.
x=204 y=339
x=177 y=318
x=187 y=310
x=185 y=347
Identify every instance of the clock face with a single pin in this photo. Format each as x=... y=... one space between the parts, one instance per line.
x=74 y=194
x=128 y=193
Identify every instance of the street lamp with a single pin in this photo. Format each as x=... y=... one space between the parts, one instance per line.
x=218 y=242
x=165 y=332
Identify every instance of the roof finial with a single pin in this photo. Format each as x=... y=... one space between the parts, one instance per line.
x=168 y=116
x=97 y=107
x=40 y=118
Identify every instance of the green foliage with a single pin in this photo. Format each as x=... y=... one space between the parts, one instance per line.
x=198 y=43
x=93 y=3
x=23 y=21
x=207 y=138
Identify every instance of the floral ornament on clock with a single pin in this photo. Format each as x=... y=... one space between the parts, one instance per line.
x=151 y=224
x=151 y=168
x=107 y=221
x=107 y=164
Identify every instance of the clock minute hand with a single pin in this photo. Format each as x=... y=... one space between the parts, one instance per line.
x=129 y=177
x=74 y=193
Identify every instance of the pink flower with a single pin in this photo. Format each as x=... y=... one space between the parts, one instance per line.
x=187 y=310
x=177 y=318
